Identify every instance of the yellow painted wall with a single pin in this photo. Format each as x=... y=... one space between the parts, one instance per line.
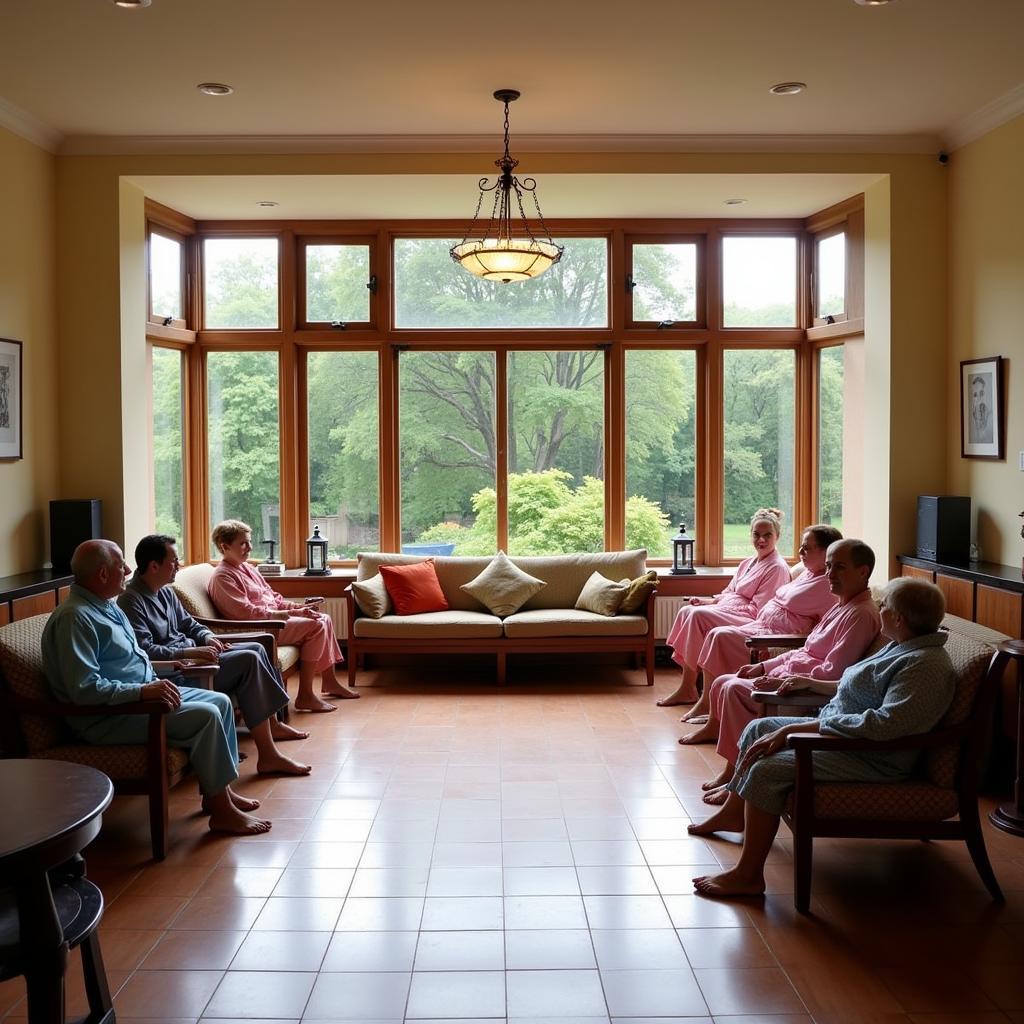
x=28 y=315
x=905 y=252
x=986 y=317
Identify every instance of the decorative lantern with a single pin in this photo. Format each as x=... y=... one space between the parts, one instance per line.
x=682 y=553
x=316 y=555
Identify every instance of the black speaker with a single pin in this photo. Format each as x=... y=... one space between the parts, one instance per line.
x=943 y=528
x=71 y=522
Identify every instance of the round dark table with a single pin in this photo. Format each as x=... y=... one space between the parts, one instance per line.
x=49 y=812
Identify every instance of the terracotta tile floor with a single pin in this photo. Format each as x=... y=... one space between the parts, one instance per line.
x=469 y=853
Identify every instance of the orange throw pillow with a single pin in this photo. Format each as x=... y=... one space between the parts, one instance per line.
x=414 y=588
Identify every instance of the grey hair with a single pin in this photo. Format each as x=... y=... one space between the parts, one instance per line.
x=919 y=603
x=92 y=555
x=860 y=553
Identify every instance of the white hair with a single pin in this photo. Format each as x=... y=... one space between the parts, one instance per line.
x=92 y=555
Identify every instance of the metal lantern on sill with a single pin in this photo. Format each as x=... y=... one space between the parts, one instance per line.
x=682 y=553
x=316 y=555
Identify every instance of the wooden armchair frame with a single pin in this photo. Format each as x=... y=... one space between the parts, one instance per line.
x=970 y=736
x=157 y=781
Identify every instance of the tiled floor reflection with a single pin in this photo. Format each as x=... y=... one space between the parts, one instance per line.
x=469 y=853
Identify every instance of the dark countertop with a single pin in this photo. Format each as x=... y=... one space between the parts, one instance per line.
x=991 y=574
x=27 y=583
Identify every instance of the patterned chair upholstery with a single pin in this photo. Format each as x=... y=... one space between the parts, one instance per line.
x=940 y=801
x=192 y=587
x=33 y=725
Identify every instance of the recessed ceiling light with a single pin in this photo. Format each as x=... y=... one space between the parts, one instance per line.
x=215 y=89
x=734 y=202
x=268 y=203
x=131 y=5
x=787 y=88
x=874 y=3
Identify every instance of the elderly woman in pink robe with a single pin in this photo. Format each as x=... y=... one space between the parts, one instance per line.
x=795 y=610
x=756 y=581
x=240 y=592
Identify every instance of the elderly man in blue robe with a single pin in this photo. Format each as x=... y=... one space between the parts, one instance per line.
x=90 y=656
x=903 y=690
x=164 y=630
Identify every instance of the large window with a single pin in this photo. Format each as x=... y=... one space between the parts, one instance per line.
x=663 y=283
x=240 y=283
x=448 y=450
x=168 y=445
x=431 y=291
x=759 y=420
x=243 y=442
x=555 y=452
x=344 y=445
x=830 y=435
x=661 y=447
x=166 y=279
x=336 y=278
x=830 y=276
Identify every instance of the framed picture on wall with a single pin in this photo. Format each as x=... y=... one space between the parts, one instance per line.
x=982 y=416
x=10 y=399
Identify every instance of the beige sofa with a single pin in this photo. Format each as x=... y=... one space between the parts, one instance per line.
x=547 y=623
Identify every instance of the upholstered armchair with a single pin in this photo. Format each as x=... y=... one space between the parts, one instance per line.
x=32 y=724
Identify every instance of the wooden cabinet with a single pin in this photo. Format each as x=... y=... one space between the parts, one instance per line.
x=31 y=593
x=918 y=574
x=959 y=595
x=37 y=604
x=1001 y=610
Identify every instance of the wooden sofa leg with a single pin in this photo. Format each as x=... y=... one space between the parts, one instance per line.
x=352 y=664
x=159 y=819
x=502 y=668
x=976 y=846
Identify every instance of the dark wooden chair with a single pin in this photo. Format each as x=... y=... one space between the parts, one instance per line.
x=33 y=725
x=939 y=802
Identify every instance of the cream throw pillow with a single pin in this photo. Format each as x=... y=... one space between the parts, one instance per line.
x=601 y=595
x=372 y=597
x=503 y=587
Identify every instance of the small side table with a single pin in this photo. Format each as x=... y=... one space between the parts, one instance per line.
x=51 y=810
x=1010 y=816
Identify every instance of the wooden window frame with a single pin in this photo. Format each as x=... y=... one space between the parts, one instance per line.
x=286 y=314
x=788 y=229
x=352 y=326
x=293 y=339
x=848 y=217
x=162 y=220
x=700 y=321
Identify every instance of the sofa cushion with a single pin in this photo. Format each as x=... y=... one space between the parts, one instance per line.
x=563 y=574
x=601 y=595
x=503 y=587
x=637 y=592
x=372 y=596
x=414 y=589
x=555 y=622
x=449 y=625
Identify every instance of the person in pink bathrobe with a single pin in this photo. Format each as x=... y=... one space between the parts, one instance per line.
x=795 y=610
x=756 y=581
x=240 y=592
x=841 y=639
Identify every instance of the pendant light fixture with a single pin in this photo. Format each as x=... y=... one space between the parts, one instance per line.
x=497 y=250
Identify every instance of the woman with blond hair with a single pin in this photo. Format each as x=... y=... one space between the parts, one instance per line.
x=240 y=592
x=756 y=581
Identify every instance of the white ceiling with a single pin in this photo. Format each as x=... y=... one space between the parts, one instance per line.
x=399 y=196
x=86 y=69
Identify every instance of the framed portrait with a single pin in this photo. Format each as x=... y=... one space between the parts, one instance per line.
x=10 y=399
x=982 y=416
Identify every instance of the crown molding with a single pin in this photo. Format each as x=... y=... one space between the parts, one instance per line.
x=29 y=127
x=103 y=145
x=989 y=117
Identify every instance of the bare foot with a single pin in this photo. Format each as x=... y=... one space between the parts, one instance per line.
x=707 y=733
x=342 y=691
x=282 y=731
x=716 y=797
x=281 y=765
x=719 y=780
x=725 y=820
x=692 y=718
x=241 y=803
x=729 y=883
x=238 y=823
x=674 y=699
x=313 y=704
